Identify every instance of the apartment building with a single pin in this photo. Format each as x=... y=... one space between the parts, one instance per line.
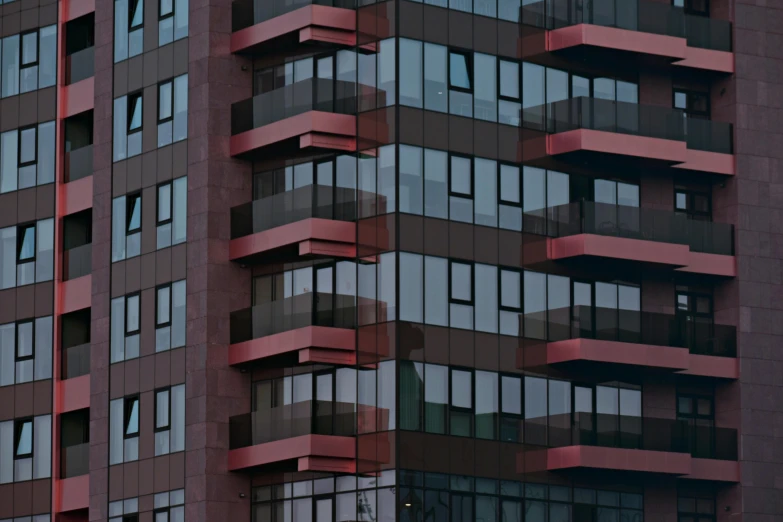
x=416 y=261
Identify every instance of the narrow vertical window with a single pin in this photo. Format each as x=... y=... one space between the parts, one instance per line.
x=131 y=429
x=133 y=225
x=180 y=107
x=26 y=157
x=25 y=255
x=135 y=27
x=134 y=122
x=10 y=67
x=28 y=74
x=165 y=22
x=25 y=351
x=461 y=411
x=165 y=111
x=460 y=84
x=164 y=215
x=461 y=189
x=162 y=421
x=132 y=326
x=461 y=296
x=508 y=106
x=163 y=319
x=179 y=226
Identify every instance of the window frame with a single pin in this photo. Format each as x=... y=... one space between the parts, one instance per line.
x=170 y=82
x=30 y=357
x=158 y=221
x=157 y=305
x=20 y=237
x=131 y=98
x=453 y=300
x=19 y=163
x=468 y=55
x=161 y=15
x=131 y=5
x=129 y=213
x=167 y=427
x=500 y=199
x=501 y=96
x=451 y=193
x=37 y=60
x=125 y=315
x=18 y=428
x=126 y=415
x=503 y=308
x=518 y=417
x=690 y=196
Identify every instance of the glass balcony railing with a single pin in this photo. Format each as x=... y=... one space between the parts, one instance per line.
x=76 y=361
x=245 y=13
x=632 y=432
x=315 y=94
x=300 y=311
x=80 y=65
x=77 y=262
x=700 y=335
x=629 y=118
x=78 y=163
x=75 y=460
x=292 y=420
x=587 y=217
x=633 y=15
x=309 y=201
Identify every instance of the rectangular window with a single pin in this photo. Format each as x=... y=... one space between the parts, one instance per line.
x=411 y=164
x=486 y=292
x=170 y=316
x=162 y=421
x=172 y=110
x=461 y=189
x=23 y=439
x=172 y=213
x=508 y=90
x=132 y=232
x=169 y=506
x=165 y=22
x=436 y=166
x=435 y=77
x=487 y=403
x=411 y=287
x=26 y=157
x=125 y=327
x=485 y=192
x=511 y=408
x=461 y=295
x=135 y=120
x=460 y=84
x=510 y=302
x=510 y=208
x=411 y=73
x=131 y=429
x=485 y=99
x=25 y=258
x=461 y=410
x=10 y=67
x=135 y=27
x=28 y=74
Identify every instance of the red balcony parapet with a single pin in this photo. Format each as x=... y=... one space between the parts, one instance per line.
x=327 y=453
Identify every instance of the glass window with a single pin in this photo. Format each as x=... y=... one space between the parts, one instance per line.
x=461 y=403
x=435 y=184
x=435 y=89
x=131 y=417
x=461 y=296
x=535 y=305
x=47 y=58
x=411 y=188
x=180 y=104
x=134 y=124
x=511 y=408
x=485 y=8
x=485 y=98
x=8 y=161
x=45 y=152
x=510 y=209
x=164 y=215
x=23 y=445
x=411 y=305
x=165 y=22
x=535 y=410
x=485 y=186
x=460 y=85
x=10 y=68
x=120 y=133
x=133 y=222
x=411 y=73
x=28 y=74
x=436 y=392
x=533 y=95
x=180 y=211
x=136 y=27
x=509 y=106
x=486 y=286
x=461 y=190
x=165 y=112
x=486 y=404
x=435 y=291
x=411 y=394
x=510 y=302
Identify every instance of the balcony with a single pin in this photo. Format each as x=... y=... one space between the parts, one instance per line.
x=636 y=29
x=312 y=113
x=631 y=443
x=76 y=361
x=287 y=23
x=592 y=339
x=315 y=327
x=586 y=129
x=658 y=238
x=75 y=460
x=309 y=220
x=80 y=65
x=317 y=435
x=77 y=262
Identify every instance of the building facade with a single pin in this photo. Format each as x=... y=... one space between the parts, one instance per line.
x=420 y=261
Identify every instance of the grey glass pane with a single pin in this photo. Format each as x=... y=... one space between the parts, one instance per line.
x=7 y=353
x=387 y=287
x=557 y=192
x=24 y=371
x=7 y=451
x=606 y=400
x=180 y=131
x=132 y=314
x=42 y=450
x=509 y=10
x=27 y=246
x=163 y=305
x=120 y=30
x=23 y=469
x=486 y=404
x=461 y=316
x=435 y=184
x=511 y=392
x=580 y=86
x=27 y=145
x=461 y=281
x=161 y=500
x=8 y=161
x=133 y=245
x=132 y=347
x=559 y=397
x=510 y=288
x=179 y=219
x=509 y=79
x=411 y=179
x=136 y=41
x=411 y=287
x=485 y=193
x=120 y=128
x=411 y=73
x=627 y=92
x=630 y=402
x=604 y=88
x=166 y=30
x=178 y=314
x=134 y=144
x=131 y=449
x=533 y=189
x=164 y=133
x=535 y=398
x=629 y=297
x=628 y=194
x=180 y=19
x=43 y=348
x=28 y=79
x=46 y=153
x=435 y=88
x=117 y=329
x=178 y=418
x=605 y=191
x=485 y=94
x=461 y=389
x=533 y=93
x=44 y=270
x=459 y=75
x=387 y=180
x=162 y=339
x=486 y=287
x=460 y=176
x=8 y=257
x=161 y=442
x=24 y=339
x=436 y=291
x=10 y=67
